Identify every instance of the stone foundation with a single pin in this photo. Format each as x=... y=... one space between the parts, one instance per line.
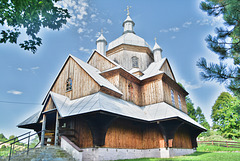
x=97 y=154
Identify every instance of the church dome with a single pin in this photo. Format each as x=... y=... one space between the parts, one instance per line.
x=129 y=39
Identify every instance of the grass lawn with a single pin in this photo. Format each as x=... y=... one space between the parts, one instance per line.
x=214 y=148
x=199 y=156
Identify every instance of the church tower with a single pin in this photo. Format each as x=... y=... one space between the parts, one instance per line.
x=129 y=50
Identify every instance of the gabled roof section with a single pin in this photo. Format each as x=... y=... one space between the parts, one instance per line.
x=105 y=64
x=95 y=74
x=91 y=71
x=155 y=69
x=95 y=51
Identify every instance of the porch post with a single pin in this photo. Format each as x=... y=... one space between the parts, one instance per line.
x=56 y=130
x=43 y=130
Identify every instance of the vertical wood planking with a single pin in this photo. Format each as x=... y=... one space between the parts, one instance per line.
x=82 y=83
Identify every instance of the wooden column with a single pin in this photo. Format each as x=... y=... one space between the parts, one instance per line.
x=168 y=129
x=43 y=130
x=56 y=130
x=99 y=124
x=194 y=134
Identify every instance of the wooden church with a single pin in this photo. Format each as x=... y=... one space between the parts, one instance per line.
x=123 y=103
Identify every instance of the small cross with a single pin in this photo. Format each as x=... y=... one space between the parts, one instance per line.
x=155 y=40
x=128 y=7
x=101 y=31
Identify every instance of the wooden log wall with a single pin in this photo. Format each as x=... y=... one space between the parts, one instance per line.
x=82 y=133
x=99 y=62
x=152 y=92
x=128 y=134
x=82 y=83
x=167 y=96
x=182 y=138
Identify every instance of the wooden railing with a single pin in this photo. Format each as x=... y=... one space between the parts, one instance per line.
x=229 y=144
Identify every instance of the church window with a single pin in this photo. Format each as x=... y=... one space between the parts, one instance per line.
x=172 y=96
x=135 y=62
x=69 y=85
x=179 y=102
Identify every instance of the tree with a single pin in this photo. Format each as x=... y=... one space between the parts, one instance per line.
x=226 y=115
x=31 y=15
x=226 y=44
x=2 y=137
x=201 y=118
x=191 y=109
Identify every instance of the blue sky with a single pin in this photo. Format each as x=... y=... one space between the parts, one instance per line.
x=179 y=26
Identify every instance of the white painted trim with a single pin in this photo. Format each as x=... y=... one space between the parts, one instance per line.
x=71 y=149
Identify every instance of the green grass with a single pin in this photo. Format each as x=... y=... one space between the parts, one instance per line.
x=214 y=148
x=197 y=156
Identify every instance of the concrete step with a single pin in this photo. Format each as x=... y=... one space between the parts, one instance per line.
x=47 y=153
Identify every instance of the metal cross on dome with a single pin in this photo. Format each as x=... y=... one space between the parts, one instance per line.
x=155 y=39
x=128 y=7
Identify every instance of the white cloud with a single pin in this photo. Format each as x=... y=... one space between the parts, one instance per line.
x=15 y=92
x=80 y=30
x=84 y=23
x=109 y=21
x=189 y=85
x=19 y=69
x=77 y=9
x=174 y=29
x=163 y=30
x=84 y=50
x=173 y=37
x=187 y=24
x=213 y=21
x=35 y=68
x=93 y=16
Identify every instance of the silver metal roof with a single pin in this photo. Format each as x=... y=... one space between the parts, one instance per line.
x=31 y=120
x=153 y=69
x=103 y=102
x=128 y=38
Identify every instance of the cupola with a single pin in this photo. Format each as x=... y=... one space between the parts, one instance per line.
x=101 y=44
x=157 y=52
x=128 y=24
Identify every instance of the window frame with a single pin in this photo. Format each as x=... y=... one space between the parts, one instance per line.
x=172 y=97
x=69 y=85
x=179 y=102
x=135 y=62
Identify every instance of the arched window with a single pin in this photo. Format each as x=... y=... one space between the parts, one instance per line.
x=69 y=84
x=135 y=62
x=172 y=96
x=179 y=102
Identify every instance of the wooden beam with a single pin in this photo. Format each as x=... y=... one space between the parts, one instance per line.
x=43 y=130
x=56 y=129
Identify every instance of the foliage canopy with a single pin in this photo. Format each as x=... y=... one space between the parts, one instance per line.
x=226 y=115
x=226 y=44
x=31 y=15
